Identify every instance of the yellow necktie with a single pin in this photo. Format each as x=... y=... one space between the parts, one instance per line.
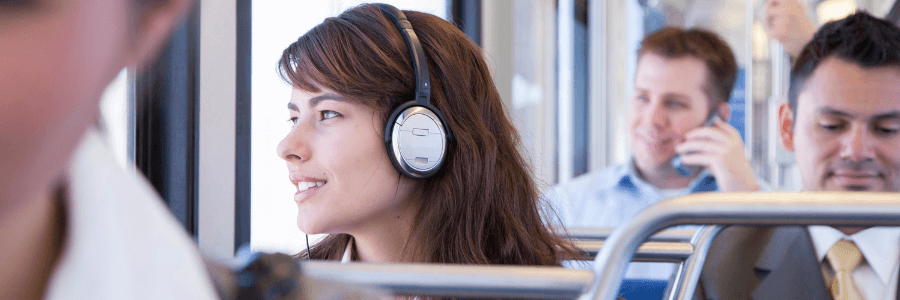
x=844 y=257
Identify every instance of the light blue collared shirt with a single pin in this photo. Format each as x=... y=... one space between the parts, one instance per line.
x=611 y=197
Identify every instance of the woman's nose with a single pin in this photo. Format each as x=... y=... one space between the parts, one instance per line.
x=294 y=147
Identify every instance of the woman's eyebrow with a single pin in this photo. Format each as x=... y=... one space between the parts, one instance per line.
x=315 y=100
x=327 y=96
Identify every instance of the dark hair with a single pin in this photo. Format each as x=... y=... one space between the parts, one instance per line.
x=673 y=42
x=482 y=206
x=859 y=38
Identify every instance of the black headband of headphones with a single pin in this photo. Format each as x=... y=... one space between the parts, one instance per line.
x=420 y=66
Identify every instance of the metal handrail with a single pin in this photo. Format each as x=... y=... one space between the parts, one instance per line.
x=647 y=252
x=600 y=234
x=840 y=209
x=479 y=281
x=685 y=281
x=467 y=281
x=493 y=281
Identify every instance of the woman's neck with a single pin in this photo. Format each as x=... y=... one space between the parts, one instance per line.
x=387 y=240
x=32 y=235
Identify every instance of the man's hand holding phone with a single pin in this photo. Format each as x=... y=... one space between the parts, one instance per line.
x=719 y=149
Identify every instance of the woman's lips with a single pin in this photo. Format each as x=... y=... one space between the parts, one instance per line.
x=307 y=188
x=301 y=195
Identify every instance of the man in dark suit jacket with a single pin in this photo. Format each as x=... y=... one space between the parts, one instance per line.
x=843 y=115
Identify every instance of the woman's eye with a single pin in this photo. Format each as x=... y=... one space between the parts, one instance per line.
x=293 y=121
x=328 y=114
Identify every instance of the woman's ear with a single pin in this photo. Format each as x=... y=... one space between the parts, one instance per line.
x=155 y=25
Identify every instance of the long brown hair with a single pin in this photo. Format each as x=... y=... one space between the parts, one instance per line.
x=482 y=206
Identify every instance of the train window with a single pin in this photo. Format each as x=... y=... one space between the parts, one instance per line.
x=276 y=24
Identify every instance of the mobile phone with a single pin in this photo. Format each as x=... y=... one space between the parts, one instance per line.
x=690 y=170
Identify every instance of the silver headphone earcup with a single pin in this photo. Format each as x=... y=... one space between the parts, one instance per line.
x=418 y=141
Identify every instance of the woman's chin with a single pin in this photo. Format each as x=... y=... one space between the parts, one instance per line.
x=307 y=228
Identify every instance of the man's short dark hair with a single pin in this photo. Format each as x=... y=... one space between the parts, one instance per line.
x=859 y=38
x=721 y=66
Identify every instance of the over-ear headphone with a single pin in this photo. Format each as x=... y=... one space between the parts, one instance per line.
x=415 y=135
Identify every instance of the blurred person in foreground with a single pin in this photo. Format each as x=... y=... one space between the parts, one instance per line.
x=73 y=224
x=843 y=115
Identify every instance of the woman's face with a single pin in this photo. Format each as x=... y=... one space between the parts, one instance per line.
x=337 y=160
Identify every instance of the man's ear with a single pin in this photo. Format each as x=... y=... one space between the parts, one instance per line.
x=724 y=111
x=786 y=126
x=154 y=27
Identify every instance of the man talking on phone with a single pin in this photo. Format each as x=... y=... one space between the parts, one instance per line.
x=682 y=82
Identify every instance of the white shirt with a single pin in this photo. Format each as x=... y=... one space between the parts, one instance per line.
x=348 y=252
x=121 y=242
x=876 y=277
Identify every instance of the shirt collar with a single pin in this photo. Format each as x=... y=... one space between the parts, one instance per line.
x=348 y=252
x=879 y=245
x=704 y=182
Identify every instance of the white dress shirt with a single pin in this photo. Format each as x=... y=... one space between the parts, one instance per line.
x=876 y=276
x=121 y=242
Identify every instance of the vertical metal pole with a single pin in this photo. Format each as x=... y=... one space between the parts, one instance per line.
x=748 y=82
x=597 y=90
x=565 y=87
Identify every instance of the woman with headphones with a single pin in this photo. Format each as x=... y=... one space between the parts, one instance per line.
x=400 y=148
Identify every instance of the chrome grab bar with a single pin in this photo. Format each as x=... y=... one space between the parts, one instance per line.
x=685 y=282
x=600 y=234
x=847 y=209
x=480 y=281
x=647 y=252
x=465 y=281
